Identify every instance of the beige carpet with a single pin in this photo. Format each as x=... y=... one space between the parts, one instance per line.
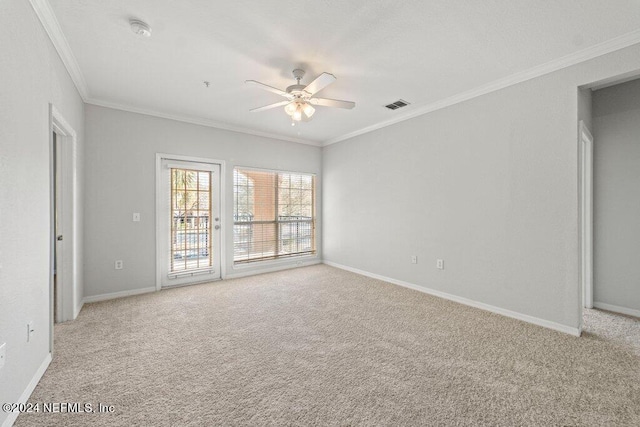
x=321 y=346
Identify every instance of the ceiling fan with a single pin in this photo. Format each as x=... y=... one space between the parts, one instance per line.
x=300 y=98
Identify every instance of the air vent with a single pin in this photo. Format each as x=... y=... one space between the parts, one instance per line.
x=398 y=104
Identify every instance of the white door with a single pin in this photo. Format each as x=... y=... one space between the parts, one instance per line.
x=189 y=222
x=58 y=264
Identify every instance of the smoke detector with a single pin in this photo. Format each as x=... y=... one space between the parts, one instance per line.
x=140 y=28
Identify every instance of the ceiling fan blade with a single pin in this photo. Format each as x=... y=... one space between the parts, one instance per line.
x=267 y=87
x=325 y=102
x=322 y=81
x=270 y=106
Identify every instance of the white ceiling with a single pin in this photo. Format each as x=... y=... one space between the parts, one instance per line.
x=379 y=50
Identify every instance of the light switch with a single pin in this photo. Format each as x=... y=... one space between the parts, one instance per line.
x=136 y=216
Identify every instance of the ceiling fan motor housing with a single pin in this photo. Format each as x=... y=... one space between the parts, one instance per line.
x=296 y=89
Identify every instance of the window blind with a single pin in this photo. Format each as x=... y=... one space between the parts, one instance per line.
x=190 y=220
x=274 y=215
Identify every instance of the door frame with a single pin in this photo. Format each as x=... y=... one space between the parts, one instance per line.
x=585 y=147
x=68 y=296
x=159 y=217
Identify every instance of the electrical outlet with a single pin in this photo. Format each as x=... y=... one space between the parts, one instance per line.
x=3 y=353
x=119 y=265
x=414 y=259
x=136 y=216
x=440 y=264
x=30 y=331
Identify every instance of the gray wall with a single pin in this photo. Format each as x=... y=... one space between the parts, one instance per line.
x=617 y=195
x=489 y=185
x=32 y=76
x=120 y=163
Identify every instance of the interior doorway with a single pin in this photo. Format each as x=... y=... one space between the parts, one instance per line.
x=64 y=282
x=609 y=200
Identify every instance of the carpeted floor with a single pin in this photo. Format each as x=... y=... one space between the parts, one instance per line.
x=321 y=346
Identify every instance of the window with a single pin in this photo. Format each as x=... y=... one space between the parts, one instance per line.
x=190 y=224
x=274 y=215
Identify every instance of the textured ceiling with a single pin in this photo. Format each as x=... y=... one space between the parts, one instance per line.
x=379 y=50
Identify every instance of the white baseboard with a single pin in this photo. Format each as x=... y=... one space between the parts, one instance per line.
x=617 y=309
x=121 y=294
x=504 y=312
x=240 y=273
x=270 y=269
x=8 y=422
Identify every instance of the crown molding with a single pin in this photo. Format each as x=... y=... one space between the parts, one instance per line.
x=52 y=27
x=594 y=51
x=199 y=121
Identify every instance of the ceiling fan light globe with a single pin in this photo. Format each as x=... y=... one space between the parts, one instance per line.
x=308 y=110
x=297 y=115
x=290 y=108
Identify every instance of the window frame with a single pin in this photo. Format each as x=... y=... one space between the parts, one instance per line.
x=276 y=258
x=187 y=233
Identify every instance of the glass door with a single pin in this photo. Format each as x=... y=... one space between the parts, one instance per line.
x=190 y=222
